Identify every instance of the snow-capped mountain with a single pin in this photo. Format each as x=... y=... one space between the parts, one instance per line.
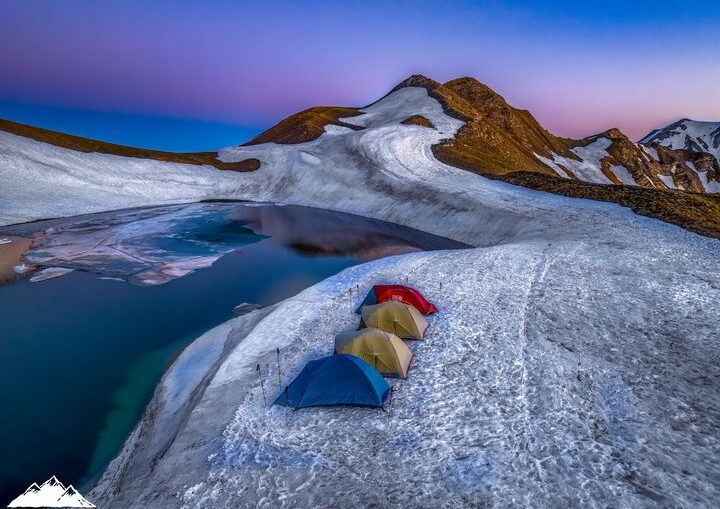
x=51 y=493
x=687 y=134
x=689 y=152
x=612 y=158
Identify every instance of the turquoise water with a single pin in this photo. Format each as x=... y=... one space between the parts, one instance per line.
x=80 y=354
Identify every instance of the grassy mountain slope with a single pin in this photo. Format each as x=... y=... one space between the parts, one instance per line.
x=81 y=144
x=305 y=126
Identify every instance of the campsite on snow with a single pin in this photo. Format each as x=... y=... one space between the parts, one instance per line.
x=487 y=291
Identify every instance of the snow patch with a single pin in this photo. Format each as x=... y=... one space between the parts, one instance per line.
x=710 y=187
x=49 y=273
x=651 y=151
x=333 y=129
x=549 y=162
x=668 y=181
x=623 y=175
x=21 y=268
x=589 y=168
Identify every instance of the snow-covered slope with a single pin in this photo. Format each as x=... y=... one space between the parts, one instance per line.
x=573 y=362
x=556 y=374
x=688 y=134
x=385 y=170
x=40 y=181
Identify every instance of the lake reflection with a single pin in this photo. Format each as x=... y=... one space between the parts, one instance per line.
x=154 y=246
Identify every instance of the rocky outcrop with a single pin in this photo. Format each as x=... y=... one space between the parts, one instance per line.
x=690 y=170
x=418 y=120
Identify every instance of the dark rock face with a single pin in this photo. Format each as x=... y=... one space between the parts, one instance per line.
x=677 y=163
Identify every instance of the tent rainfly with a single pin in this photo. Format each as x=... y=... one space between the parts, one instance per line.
x=401 y=293
x=336 y=380
x=383 y=350
x=401 y=319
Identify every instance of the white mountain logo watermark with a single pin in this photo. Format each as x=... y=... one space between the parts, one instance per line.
x=51 y=493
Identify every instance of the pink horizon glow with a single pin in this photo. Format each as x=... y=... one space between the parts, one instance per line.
x=255 y=65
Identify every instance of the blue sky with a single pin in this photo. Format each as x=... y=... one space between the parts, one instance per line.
x=223 y=68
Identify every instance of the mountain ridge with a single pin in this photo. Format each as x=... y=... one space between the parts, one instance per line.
x=82 y=144
x=498 y=141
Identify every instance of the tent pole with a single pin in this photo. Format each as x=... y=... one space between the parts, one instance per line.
x=262 y=384
x=279 y=370
x=286 y=401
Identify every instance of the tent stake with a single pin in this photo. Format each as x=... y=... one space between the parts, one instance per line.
x=262 y=384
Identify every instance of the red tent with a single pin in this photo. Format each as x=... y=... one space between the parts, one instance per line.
x=401 y=293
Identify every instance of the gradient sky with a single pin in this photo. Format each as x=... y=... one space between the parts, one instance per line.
x=237 y=67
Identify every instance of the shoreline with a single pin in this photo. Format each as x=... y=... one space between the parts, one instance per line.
x=11 y=256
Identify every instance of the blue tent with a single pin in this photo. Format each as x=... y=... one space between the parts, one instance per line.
x=336 y=380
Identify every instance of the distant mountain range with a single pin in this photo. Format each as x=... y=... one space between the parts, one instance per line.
x=681 y=161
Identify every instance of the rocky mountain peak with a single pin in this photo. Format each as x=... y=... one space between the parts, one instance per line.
x=479 y=95
x=613 y=133
x=417 y=80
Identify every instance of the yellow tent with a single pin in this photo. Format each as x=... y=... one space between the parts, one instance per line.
x=383 y=350
x=401 y=319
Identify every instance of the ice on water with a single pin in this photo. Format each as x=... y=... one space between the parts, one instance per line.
x=146 y=247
